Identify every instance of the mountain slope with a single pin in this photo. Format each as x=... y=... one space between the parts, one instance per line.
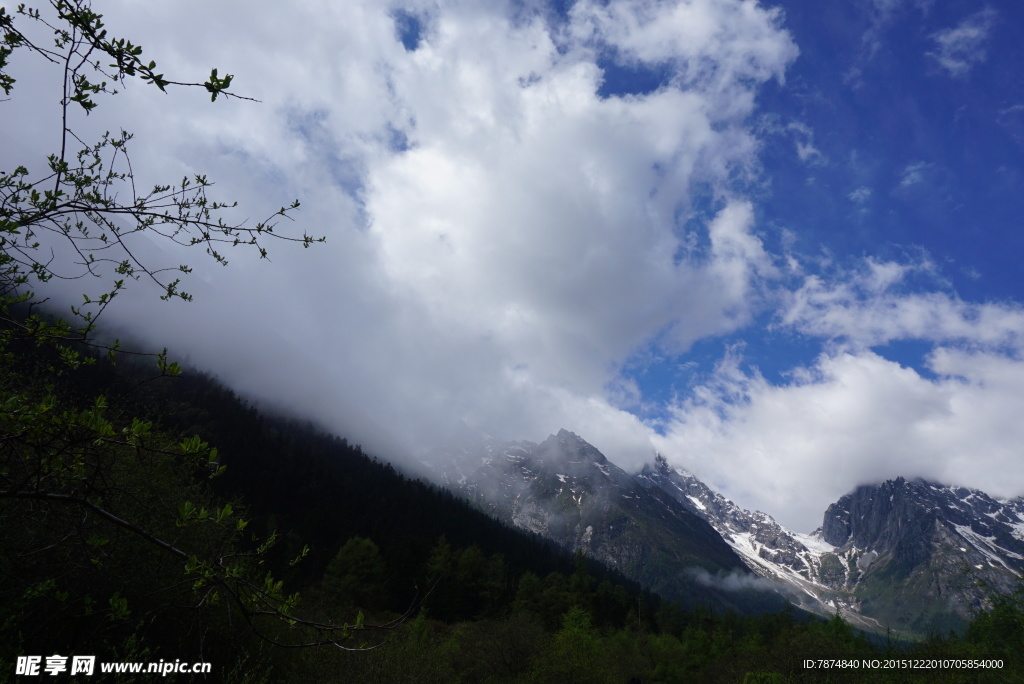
x=920 y=555
x=790 y=559
x=913 y=556
x=566 y=490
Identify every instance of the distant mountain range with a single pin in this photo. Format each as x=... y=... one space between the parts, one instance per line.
x=566 y=490
x=912 y=556
x=909 y=556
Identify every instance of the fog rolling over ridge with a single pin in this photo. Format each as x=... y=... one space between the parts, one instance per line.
x=905 y=557
x=699 y=228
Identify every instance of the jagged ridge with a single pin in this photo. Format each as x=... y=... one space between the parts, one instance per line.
x=566 y=490
x=906 y=555
x=913 y=556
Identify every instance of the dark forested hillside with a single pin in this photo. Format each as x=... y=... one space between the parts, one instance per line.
x=461 y=597
x=321 y=490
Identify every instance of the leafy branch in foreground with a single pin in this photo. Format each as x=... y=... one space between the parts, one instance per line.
x=84 y=215
x=82 y=495
x=120 y=496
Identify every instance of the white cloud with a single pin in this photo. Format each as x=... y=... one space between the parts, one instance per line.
x=860 y=195
x=1011 y=120
x=913 y=174
x=803 y=139
x=881 y=15
x=528 y=237
x=854 y=416
x=807 y=152
x=715 y=46
x=962 y=47
x=868 y=308
x=501 y=263
x=794 y=449
x=886 y=8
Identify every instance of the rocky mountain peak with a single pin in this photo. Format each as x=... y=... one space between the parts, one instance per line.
x=566 y=490
x=905 y=553
x=661 y=464
x=898 y=516
x=570 y=448
x=878 y=545
x=939 y=541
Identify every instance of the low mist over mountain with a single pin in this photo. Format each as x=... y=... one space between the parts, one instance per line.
x=566 y=490
x=911 y=556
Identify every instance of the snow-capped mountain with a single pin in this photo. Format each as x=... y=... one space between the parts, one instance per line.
x=918 y=555
x=912 y=556
x=791 y=560
x=566 y=490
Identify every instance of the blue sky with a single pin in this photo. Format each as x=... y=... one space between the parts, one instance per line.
x=909 y=145
x=777 y=242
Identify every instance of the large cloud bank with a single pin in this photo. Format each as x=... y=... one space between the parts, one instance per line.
x=502 y=238
x=853 y=416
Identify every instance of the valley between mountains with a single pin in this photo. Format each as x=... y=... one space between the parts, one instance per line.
x=907 y=556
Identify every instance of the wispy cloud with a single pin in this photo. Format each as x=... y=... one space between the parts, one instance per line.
x=852 y=416
x=1011 y=120
x=732 y=581
x=860 y=195
x=881 y=16
x=873 y=306
x=913 y=174
x=962 y=47
x=803 y=139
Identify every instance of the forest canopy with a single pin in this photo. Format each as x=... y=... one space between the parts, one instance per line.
x=145 y=516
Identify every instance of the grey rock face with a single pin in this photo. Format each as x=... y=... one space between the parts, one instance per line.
x=566 y=490
x=904 y=554
x=948 y=539
x=791 y=560
x=908 y=555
